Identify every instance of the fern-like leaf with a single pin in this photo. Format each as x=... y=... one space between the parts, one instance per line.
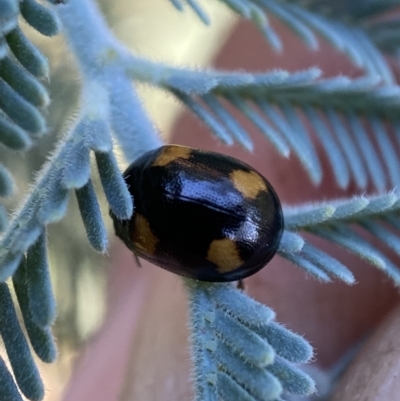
x=346 y=115
x=343 y=26
x=22 y=97
x=239 y=352
x=342 y=223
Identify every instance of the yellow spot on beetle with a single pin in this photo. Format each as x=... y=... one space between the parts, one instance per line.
x=224 y=253
x=142 y=237
x=171 y=153
x=248 y=183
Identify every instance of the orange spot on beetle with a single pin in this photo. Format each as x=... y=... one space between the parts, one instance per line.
x=224 y=253
x=142 y=237
x=248 y=183
x=170 y=154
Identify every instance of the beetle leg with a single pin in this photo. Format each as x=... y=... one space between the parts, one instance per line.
x=240 y=285
x=137 y=260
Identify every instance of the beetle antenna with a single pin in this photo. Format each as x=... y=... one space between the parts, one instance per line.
x=137 y=259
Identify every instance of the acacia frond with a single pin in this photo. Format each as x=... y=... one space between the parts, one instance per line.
x=193 y=4
x=344 y=25
x=342 y=111
x=386 y=35
x=343 y=223
x=68 y=169
x=239 y=352
x=23 y=249
x=22 y=97
x=25 y=371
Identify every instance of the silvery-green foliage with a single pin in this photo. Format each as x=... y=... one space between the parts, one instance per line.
x=23 y=98
x=350 y=27
x=342 y=222
x=239 y=351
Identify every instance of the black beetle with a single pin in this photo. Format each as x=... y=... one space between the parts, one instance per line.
x=201 y=214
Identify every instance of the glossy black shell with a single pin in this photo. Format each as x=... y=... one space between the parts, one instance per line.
x=201 y=214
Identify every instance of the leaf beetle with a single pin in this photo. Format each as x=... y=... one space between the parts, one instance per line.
x=201 y=214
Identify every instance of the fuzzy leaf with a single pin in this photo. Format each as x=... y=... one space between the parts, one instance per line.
x=27 y=236
x=387 y=149
x=20 y=111
x=315 y=215
x=332 y=150
x=3 y=47
x=327 y=263
x=243 y=340
x=23 y=83
x=129 y=122
x=8 y=389
x=91 y=216
x=369 y=153
x=350 y=207
x=55 y=202
x=284 y=14
x=19 y=355
x=114 y=186
x=277 y=103
x=203 y=344
x=335 y=25
x=379 y=204
x=27 y=54
x=8 y=264
x=9 y=11
x=286 y=344
x=353 y=242
x=258 y=382
x=41 y=299
x=231 y=336
x=340 y=227
x=350 y=152
x=40 y=337
x=39 y=17
x=273 y=135
x=293 y=380
x=13 y=137
x=234 y=127
x=290 y=243
x=76 y=171
x=236 y=303
x=6 y=182
x=3 y=218
x=228 y=389
x=199 y=11
x=212 y=123
x=311 y=268
x=97 y=135
x=177 y=4
x=277 y=89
